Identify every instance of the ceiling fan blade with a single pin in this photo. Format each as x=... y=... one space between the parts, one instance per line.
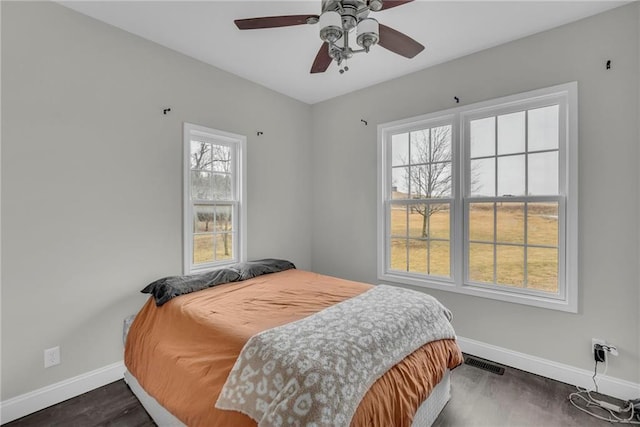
x=323 y=60
x=399 y=43
x=273 y=21
x=388 y=4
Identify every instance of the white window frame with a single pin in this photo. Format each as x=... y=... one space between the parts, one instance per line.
x=237 y=143
x=567 y=297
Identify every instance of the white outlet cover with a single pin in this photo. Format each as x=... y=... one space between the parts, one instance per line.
x=51 y=357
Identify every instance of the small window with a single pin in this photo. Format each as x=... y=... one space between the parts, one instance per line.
x=482 y=199
x=214 y=212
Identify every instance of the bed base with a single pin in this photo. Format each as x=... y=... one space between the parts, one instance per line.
x=425 y=416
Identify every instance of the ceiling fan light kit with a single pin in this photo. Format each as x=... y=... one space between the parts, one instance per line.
x=368 y=33
x=339 y=21
x=331 y=27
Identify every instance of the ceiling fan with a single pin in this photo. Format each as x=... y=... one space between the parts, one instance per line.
x=340 y=20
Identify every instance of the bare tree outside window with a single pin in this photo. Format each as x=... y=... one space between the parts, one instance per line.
x=429 y=176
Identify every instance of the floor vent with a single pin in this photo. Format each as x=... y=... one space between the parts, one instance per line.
x=484 y=365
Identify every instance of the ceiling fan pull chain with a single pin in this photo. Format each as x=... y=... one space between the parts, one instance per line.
x=345 y=68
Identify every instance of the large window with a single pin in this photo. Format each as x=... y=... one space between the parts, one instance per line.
x=482 y=199
x=214 y=211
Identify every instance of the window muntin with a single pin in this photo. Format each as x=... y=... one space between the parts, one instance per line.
x=512 y=208
x=214 y=217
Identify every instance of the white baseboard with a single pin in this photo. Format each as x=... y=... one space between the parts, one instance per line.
x=610 y=386
x=28 y=403
x=36 y=400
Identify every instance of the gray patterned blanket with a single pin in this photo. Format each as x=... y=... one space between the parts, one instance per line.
x=315 y=371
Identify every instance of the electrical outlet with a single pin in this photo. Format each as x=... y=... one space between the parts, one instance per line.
x=598 y=355
x=606 y=348
x=52 y=357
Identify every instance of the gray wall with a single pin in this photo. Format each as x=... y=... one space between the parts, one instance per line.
x=92 y=180
x=344 y=182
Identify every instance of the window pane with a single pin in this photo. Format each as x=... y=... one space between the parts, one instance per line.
x=223 y=218
x=510 y=222
x=221 y=186
x=202 y=248
x=221 y=158
x=400 y=149
x=419 y=184
x=419 y=220
x=201 y=188
x=481 y=222
x=481 y=262
x=203 y=218
x=483 y=177
x=439 y=182
x=511 y=133
x=542 y=224
x=398 y=220
x=543 y=173
x=510 y=265
x=400 y=183
x=418 y=256
x=200 y=155
x=511 y=176
x=483 y=137
x=224 y=243
x=543 y=128
x=431 y=181
x=398 y=254
x=439 y=262
x=441 y=143
x=439 y=221
x=542 y=269
x=419 y=143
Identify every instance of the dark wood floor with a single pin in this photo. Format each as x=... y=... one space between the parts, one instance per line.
x=479 y=398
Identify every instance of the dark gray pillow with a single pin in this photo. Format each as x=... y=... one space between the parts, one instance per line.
x=167 y=288
x=251 y=269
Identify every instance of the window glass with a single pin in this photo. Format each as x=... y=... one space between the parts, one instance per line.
x=543 y=128
x=511 y=175
x=543 y=173
x=483 y=137
x=511 y=129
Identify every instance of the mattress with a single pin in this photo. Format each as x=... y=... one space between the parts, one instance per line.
x=182 y=353
x=425 y=416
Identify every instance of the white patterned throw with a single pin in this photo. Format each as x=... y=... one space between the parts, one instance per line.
x=315 y=371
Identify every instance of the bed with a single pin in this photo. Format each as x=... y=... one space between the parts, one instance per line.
x=179 y=355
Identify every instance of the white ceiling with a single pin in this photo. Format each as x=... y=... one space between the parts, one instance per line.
x=280 y=58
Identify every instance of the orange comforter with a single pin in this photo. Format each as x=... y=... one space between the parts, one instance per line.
x=182 y=352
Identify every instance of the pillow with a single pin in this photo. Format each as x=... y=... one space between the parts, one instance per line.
x=251 y=269
x=167 y=288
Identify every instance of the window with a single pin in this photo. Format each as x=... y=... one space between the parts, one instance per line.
x=482 y=199
x=214 y=211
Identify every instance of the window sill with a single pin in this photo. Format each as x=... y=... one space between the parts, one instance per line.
x=540 y=301
x=210 y=267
